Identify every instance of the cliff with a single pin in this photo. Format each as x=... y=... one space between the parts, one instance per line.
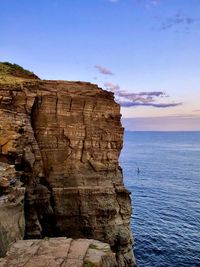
x=62 y=141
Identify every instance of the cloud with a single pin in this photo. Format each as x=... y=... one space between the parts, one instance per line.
x=112 y=87
x=103 y=70
x=164 y=123
x=113 y=1
x=154 y=93
x=179 y=19
x=155 y=2
x=156 y=105
x=149 y=3
x=116 y=89
x=127 y=99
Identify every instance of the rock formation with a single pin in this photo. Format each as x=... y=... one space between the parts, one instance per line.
x=11 y=207
x=59 y=252
x=64 y=141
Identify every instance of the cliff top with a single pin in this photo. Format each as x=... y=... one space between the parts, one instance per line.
x=13 y=76
x=12 y=73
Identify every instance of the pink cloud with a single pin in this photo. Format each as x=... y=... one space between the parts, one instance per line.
x=129 y=99
x=103 y=70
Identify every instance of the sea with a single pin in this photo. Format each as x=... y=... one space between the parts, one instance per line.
x=165 y=196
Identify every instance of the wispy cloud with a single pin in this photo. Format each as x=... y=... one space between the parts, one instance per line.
x=113 y=1
x=127 y=99
x=148 y=3
x=164 y=123
x=103 y=70
x=112 y=87
x=156 y=105
x=155 y=2
x=179 y=19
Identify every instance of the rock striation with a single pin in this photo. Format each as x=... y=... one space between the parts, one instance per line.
x=64 y=140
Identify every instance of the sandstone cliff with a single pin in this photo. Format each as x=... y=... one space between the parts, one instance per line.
x=64 y=141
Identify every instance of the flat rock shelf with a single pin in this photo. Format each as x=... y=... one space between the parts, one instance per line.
x=59 y=252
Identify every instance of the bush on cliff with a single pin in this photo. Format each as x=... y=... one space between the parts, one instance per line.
x=9 y=69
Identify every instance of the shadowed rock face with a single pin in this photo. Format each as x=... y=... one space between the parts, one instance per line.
x=11 y=207
x=64 y=139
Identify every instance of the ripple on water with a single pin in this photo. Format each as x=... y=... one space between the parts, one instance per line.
x=166 y=197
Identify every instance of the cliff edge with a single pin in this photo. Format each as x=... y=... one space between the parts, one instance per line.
x=62 y=141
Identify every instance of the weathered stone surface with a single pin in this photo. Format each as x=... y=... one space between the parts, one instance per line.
x=12 y=223
x=64 y=140
x=59 y=252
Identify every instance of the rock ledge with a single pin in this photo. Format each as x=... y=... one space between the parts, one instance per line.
x=59 y=252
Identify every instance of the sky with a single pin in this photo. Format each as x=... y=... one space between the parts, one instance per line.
x=147 y=52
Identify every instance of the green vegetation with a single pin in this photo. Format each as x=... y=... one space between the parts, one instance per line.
x=7 y=68
x=10 y=73
x=92 y=246
x=88 y=264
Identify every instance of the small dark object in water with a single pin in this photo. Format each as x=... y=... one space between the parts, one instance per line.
x=138 y=170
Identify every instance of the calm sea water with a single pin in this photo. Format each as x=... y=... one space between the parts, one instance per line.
x=165 y=196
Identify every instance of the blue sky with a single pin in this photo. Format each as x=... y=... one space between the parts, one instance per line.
x=146 y=51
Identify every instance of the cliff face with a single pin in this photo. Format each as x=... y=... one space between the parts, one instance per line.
x=11 y=207
x=64 y=140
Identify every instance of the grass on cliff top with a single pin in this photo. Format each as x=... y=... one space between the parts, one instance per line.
x=13 y=73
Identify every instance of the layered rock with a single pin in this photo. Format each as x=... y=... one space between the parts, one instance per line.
x=59 y=252
x=64 y=139
x=12 y=223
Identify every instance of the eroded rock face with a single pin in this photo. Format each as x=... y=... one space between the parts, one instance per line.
x=12 y=223
x=64 y=139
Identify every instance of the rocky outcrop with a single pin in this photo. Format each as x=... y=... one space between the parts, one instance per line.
x=59 y=252
x=64 y=140
x=12 y=223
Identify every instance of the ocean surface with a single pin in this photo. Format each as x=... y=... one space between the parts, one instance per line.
x=165 y=196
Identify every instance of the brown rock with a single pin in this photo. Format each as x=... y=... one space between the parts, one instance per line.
x=12 y=222
x=64 y=139
x=4 y=182
x=59 y=252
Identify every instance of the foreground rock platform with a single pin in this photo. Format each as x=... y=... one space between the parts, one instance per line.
x=59 y=252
